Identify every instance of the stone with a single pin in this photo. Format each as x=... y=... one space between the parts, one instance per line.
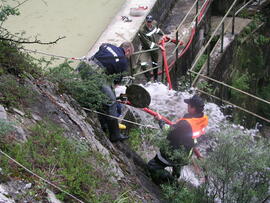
x=36 y=117
x=27 y=186
x=18 y=112
x=20 y=134
x=4 y=195
x=3 y=113
x=51 y=197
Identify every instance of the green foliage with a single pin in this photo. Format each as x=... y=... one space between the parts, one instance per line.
x=238 y=168
x=265 y=94
x=200 y=62
x=7 y=10
x=204 y=85
x=58 y=159
x=86 y=91
x=179 y=157
x=237 y=171
x=5 y=127
x=135 y=139
x=182 y=193
x=124 y=198
x=15 y=62
x=262 y=40
x=13 y=93
x=241 y=82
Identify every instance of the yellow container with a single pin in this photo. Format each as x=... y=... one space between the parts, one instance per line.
x=122 y=126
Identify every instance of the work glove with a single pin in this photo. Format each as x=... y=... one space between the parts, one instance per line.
x=122 y=97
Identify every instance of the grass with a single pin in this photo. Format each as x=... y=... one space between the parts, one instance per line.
x=59 y=160
x=14 y=93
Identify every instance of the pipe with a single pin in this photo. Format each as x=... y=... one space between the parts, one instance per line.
x=166 y=67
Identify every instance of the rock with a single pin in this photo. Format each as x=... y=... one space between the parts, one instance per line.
x=51 y=197
x=27 y=186
x=36 y=117
x=20 y=134
x=3 y=113
x=3 y=196
x=18 y=112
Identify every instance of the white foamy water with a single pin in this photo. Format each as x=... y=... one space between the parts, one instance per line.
x=170 y=104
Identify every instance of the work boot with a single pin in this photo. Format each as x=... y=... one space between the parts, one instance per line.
x=118 y=138
x=145 y=66
x=155 y=72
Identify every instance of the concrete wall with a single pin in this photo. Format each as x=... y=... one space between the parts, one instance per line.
x=185 y=62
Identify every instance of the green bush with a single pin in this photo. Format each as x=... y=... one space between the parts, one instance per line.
x=238 y=168
x=135 y=139
x=182 y=193
x=61 y=161
x=14 y=93
x=84 y=88
x=241 y=82
x=15 y=62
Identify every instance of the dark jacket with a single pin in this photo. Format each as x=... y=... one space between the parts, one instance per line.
x=180 y=140
x=112 y=58
x=149 y=37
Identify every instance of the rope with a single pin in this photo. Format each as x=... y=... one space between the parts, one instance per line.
x=145 y=71
x=236 y=13
x=236 y=89
x=53 y=55
x=34 y=174
x=144 y=51
x=128 y=121
x=225 y=30
x=245 y=110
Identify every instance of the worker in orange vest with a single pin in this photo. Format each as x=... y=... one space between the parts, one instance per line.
x=180 y=143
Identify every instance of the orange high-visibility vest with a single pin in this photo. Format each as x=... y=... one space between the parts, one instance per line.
x=198 y=125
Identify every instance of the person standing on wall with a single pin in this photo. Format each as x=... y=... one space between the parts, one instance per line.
x=180 y=143
x=149 y=35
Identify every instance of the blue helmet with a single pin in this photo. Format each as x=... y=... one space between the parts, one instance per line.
x=149 y=18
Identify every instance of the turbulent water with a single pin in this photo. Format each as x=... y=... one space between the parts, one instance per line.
x=170 y=104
